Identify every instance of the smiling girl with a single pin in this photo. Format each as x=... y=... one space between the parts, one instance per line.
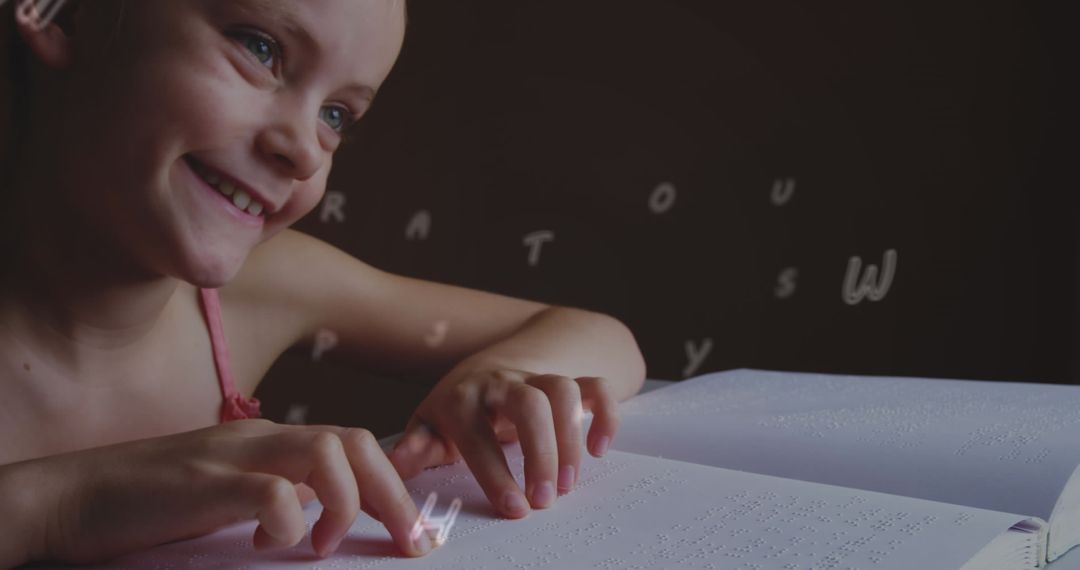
x=162 y=150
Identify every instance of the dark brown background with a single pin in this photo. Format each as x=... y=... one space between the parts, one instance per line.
x=931 y=128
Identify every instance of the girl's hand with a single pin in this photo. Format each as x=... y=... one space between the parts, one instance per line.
x=469 y=414
x=113 y=500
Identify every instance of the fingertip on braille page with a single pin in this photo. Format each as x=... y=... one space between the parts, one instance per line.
x=515 y=504
x=544 y=495
x=566 y=479
x=423 y=542
x=602 y=445
x=331 y=548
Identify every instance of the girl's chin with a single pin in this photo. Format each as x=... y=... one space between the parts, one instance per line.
x=212 y=268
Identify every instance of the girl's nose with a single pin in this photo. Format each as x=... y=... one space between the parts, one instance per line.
x=293 y=146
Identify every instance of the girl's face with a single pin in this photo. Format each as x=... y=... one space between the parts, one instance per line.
x=189 y=93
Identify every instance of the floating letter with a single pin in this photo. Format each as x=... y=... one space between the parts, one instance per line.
x=662 y=198
x=782 y=191
x=419 y=226
x=325 y=339
x=535 y=241
x=297 y=414
x=696 y=356
x=333 y=205
x=785 y=288
x=868 y=286
x=437 y=335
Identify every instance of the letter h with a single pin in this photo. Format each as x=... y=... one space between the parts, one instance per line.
x=440 y=525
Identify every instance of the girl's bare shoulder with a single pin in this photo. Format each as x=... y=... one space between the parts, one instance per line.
x=263 y=303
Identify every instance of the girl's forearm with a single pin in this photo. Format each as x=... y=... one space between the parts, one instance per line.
x=570 y=342
x=21 y=514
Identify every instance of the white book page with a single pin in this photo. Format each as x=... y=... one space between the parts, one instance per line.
x=637 y=512
x=1002 y=446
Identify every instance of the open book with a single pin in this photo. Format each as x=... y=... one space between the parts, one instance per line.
x=1001 y=446
x=764 y=471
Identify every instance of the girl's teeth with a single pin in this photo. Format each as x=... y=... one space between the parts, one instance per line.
x=226 y=188
x=241 y=199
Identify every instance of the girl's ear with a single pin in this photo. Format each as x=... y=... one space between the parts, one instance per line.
x=46 y=27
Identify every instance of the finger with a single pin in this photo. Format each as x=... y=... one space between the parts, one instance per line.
x=505 y=431
x=317 y=458
x=304 y=493
x=506 y=434
x=530 y=411
x=596 y=396
x=272 y=500
x=565 y=397
x=417 y=449
x=470 y=431
x=382 y=491
x=379 y=485
x=370 y=511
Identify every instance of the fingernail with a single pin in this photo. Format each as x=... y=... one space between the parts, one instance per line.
x=333 y=547
x=515 y=503
x=422 y=542
x=566 y=479
x=601 y=446
x=544 y=494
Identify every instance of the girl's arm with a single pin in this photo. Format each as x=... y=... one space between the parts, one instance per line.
x=22 y=538
x=504 y=367
x=410 y=327
x=568 y=342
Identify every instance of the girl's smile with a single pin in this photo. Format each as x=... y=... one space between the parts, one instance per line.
x=238 y=199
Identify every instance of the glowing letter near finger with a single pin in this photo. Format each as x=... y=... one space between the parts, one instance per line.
x=441 y=525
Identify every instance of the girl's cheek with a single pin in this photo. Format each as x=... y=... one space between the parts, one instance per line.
x=305 y=199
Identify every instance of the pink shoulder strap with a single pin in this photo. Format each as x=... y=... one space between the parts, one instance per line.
x=234 y=405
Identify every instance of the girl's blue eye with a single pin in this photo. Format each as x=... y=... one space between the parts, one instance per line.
x=336 y=117
x=267 y=51
x=263 y=47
